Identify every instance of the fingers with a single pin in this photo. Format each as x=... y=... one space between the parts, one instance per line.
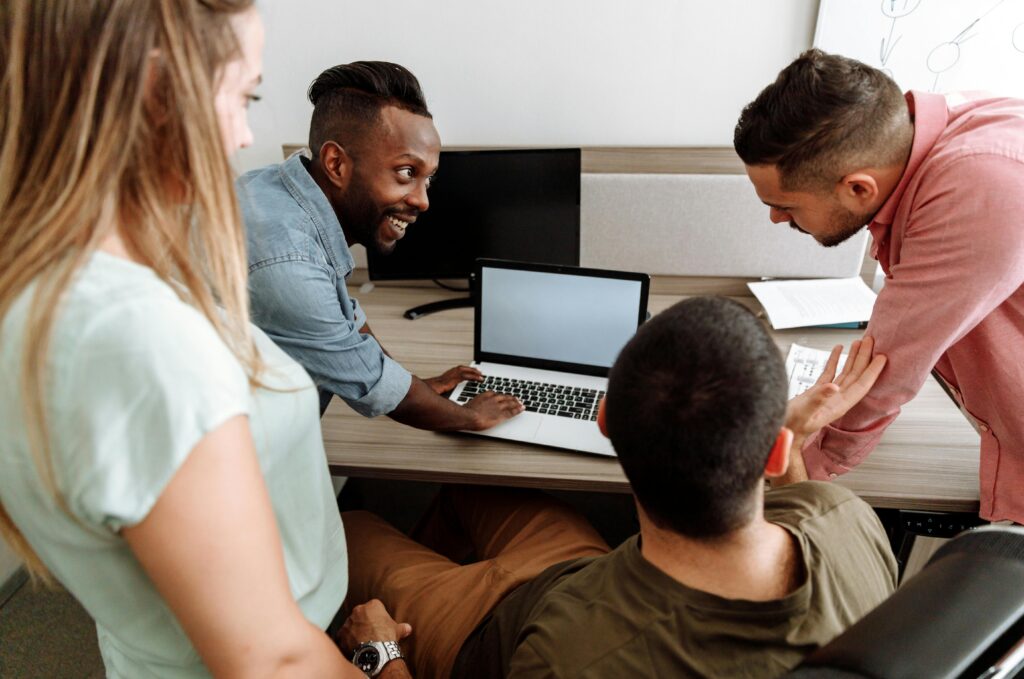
x=851 y=360
x=829 y=373
x=492 y=408
x=469 y=373
x=462 y=372
x=371 y=609
x=509 y=404
x=857 y=361
x=859 y=387
x=450 y=378
x=371 y=621
x=863 y=358
x=505 y=402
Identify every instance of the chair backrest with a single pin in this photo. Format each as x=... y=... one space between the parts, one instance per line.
x=956 y=618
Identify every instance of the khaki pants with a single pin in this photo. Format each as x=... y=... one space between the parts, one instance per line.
x=514 y=535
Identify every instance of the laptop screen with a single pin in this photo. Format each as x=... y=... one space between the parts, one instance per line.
x=562 y=318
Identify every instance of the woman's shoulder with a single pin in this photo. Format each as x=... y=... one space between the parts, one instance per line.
x=135 y=378
x=121 y=330
x=118 y=307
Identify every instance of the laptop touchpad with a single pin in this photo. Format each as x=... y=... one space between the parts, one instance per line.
x=522 y=427
x=574 y=435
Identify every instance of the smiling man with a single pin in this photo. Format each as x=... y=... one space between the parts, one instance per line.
x=832 y=146
x=374 y=150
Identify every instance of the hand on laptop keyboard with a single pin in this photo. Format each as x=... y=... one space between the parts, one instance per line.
x=450 y=378
x=540 y=397
x=492 y=408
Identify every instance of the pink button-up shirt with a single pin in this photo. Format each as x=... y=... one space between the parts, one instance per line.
x=950 y=239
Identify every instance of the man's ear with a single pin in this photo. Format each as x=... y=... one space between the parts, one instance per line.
x=601 y=422
x=336 y=164
x=858 y=190
x=778 y=459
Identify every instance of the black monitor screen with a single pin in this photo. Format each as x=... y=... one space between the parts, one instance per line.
x=522 y=205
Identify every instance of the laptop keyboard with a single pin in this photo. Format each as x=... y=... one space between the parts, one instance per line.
x=540 y=397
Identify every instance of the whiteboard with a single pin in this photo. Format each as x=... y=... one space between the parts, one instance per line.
x=931 y=45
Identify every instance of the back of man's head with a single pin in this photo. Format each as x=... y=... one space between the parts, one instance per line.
x=824 y=117
x=695 y=402
x=347 y=100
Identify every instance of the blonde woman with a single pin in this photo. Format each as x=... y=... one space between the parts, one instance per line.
x=158 y=456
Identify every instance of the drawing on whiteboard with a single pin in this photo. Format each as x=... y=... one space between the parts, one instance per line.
x=931 y=45
x=947 y=54
x=895 y=10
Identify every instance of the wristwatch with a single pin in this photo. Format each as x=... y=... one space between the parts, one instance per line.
x=372 y=656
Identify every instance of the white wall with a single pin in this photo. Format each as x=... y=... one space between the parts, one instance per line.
x=539 y=72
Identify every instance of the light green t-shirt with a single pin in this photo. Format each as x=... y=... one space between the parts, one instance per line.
x=136 y=378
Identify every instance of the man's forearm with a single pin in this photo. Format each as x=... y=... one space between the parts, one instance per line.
x=423 y=408
x=396 y=669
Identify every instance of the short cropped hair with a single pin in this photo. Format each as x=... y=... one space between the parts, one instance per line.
x=695 y=402
x=347 y=100
x=824 y=117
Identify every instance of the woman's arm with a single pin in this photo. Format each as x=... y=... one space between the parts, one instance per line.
x=212 y=549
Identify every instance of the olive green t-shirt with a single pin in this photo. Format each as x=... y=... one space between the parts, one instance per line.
x=619 y=616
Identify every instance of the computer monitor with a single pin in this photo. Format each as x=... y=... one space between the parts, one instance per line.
x=521 y=205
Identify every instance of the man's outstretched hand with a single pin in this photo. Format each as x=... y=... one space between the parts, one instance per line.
x=449 y=379
x=830 y=398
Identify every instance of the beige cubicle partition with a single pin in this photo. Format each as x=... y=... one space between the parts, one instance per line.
x=690 y=212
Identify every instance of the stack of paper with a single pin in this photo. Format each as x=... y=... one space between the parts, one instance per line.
x=795 y=304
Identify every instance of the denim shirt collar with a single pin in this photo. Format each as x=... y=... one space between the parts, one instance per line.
x=307 y=193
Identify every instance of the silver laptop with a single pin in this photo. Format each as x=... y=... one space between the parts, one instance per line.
x=548 y=335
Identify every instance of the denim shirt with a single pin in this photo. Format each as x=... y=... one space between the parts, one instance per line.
x=298 y=266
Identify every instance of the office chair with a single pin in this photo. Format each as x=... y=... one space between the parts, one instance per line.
x=961 y=616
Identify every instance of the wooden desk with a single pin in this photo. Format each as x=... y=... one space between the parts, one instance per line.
x=927 y=459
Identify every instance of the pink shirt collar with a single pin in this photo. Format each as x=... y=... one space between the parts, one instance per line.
x=931 y=115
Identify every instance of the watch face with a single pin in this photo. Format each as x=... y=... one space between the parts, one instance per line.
x=367 y=659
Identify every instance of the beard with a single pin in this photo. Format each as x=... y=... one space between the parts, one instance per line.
x=361 y=220
x=842 y=225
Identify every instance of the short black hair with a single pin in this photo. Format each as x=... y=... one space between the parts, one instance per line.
x=824 y=116
x=347 y=100
x=695 y=402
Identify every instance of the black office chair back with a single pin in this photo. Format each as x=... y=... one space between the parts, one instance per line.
x=955 y=619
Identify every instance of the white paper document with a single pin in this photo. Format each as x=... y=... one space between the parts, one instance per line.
x=805 y=365
x=795 y=304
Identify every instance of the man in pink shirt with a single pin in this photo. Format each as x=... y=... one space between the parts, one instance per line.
x=833 y=145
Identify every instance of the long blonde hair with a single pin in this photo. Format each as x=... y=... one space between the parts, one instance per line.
x=107 y=122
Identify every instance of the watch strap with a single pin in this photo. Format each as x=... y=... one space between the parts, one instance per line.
x=394 y=652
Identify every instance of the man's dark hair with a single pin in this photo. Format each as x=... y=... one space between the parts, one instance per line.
x=347 y=100
x=824 y=117
x=695 y=401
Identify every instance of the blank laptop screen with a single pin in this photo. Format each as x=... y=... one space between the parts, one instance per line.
x=557 y=317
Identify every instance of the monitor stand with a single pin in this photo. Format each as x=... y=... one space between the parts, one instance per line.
x=457 y=303
x=424 y=309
